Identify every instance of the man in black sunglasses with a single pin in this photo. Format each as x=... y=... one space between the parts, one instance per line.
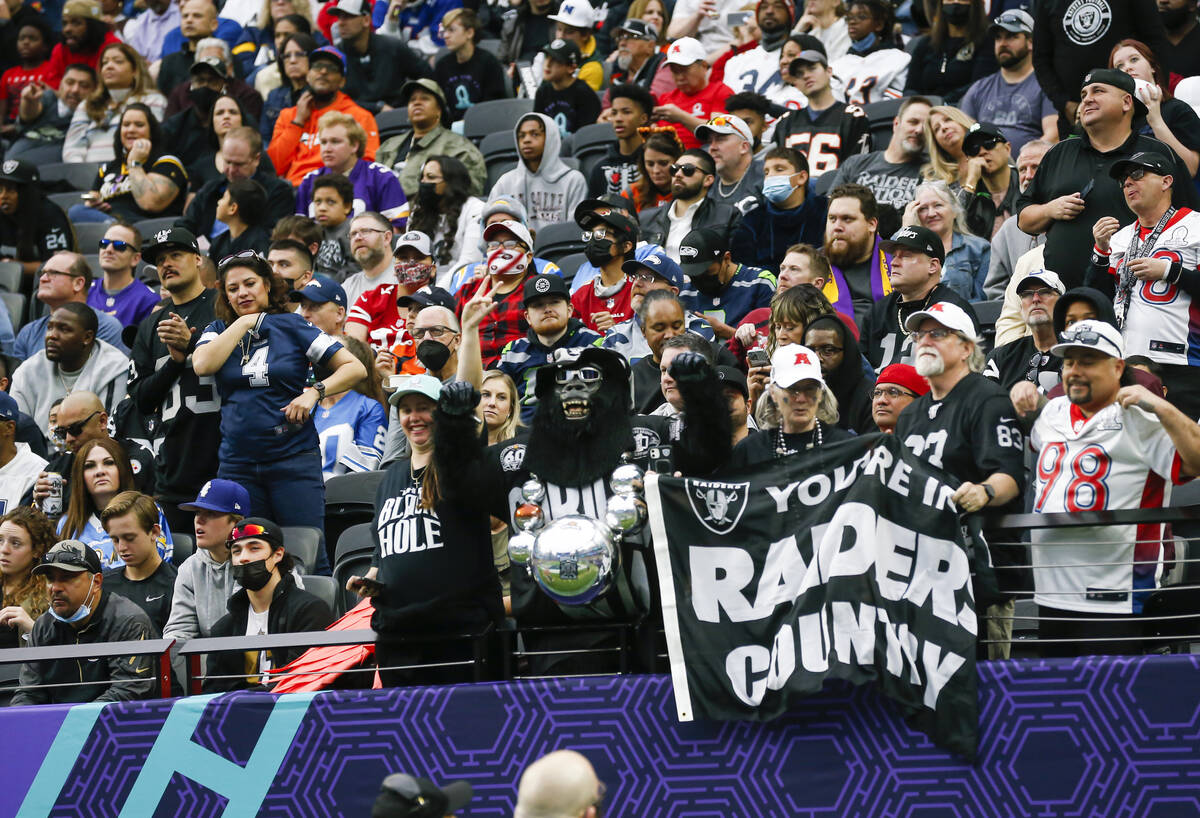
x=690 y=208
x=989 y=193
x=119 y=294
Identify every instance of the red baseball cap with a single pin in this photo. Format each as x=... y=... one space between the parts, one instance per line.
x=903 y=375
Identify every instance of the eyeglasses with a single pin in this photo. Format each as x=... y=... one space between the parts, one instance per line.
x=986 y=145
x=644 y=276
x=510 y=244
x=67 y=273
x=1042 y=293
x=597 y=233
x=431 y=332
x=891 y=392
x=1137 y=174
x=73 y=429
x=116 y=244
x=1082 y=336
x=687 y=170
x=324 y=67
x=584 y=374
x=362 y=231
x=938 y=334
x=827 y=351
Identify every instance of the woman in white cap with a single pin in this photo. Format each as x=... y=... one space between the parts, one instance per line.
x=420 y=541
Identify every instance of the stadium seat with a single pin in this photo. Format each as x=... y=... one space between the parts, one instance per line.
x=591 y=145
x=10 y=276
x=570 y=265
x=302 y=542
x=987 y=312
x=93 y=260
x=557 y=240
x=352 y=558
x=15 y=302
x=571 y=161
x=184 y=547
x=393 y=123
x=65 y=200
x=88 y=235
x=79 y=175
x=490 y=45
x=349 y=501
x=880 y=115
x=148 y=227
x=499 y=154
x=324 y=589
x=493 y=116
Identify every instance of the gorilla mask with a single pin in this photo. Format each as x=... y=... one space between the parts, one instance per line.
x=576 y=388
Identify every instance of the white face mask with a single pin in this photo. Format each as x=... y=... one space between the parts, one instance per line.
x=506 y=262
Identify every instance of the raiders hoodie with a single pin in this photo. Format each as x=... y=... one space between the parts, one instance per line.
x=551 y=193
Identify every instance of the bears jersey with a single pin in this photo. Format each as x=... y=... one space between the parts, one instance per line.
x=262 y=375
x=352 y=432
x=828 y=139
x=878 y=76
x=1116 y=459
x=1161 y=322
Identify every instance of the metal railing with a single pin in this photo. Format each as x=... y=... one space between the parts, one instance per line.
x=160 y=648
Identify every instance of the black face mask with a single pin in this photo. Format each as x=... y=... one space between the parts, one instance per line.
x=956 y=14
x=1176 y=18
x=433 y=355
x=427 y=195
x=253 y=576
x=707 y=283
x=203 y=98
x=599 y=251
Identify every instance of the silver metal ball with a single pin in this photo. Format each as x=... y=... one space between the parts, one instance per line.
x=626 y=513
x=627 y=478
x=533 y=491
x=520 y=547
x=528 y=517
x=575 y=559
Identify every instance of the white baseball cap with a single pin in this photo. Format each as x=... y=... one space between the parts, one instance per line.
x=950 y=316
x=415 y=239
x=793 y=363
x=686 y=51
x=575 y=13
x=1047 y=277
x=1090 y=333
x=516 y=228
x=725 y=124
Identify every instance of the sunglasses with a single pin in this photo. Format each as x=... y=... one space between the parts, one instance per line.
x=68 y=556
x=241 y=532
x=584 y=374
x=986 y=145
x=1083 y=336
x=73 y=429
x=687 y=170
x=260 y=265
x=1137 y=174
x=116 y=244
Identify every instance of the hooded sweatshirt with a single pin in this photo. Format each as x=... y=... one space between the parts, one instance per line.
x=202 y=591
x=550 y=193
x=38 y=382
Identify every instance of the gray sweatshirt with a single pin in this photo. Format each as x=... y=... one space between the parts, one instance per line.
x=202 y=590
x=549 y=195
x=38 y=382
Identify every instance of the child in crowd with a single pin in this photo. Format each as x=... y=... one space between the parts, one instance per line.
x=33 y=48
x=333 y=204
x=569 y=101
x=242 y=206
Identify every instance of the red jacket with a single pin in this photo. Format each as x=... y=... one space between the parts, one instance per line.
x=61 y=57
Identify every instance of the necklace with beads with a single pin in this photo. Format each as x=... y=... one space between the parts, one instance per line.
x=783 y=450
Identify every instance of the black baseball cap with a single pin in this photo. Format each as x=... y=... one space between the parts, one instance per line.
x=213 y=64
x=700 y=248
x=1150 y=160
x=540 y=285
x=409 y=796
x=565 y=51
x=732 y=376
x=168 y=237
x=916 y=237
x=1117 y=79
x=16 y=170
x=639 y=29
x=978 y=134
x=428 y=297
x=257 y=528
x=605 y=213
x=69 y=555
x=811 y=50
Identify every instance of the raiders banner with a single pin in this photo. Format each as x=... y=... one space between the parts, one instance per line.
x=846 y=562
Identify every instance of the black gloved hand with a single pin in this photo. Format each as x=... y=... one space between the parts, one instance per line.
x=689 y=367
x=458 y=399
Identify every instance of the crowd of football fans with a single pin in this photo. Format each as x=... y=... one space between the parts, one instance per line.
x=967 y=224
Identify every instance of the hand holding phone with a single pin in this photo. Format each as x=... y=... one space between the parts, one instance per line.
x=758 y=357
x=365 y=586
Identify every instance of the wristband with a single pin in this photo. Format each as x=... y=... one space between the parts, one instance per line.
x=132 y=164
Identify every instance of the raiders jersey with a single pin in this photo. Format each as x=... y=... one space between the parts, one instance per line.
x=1020 y=360
x=1116 y=459
x=878 y=76
x=836 y=133
x=884 y=339
x=1161 y=322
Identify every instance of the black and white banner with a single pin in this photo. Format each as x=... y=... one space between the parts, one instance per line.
x=843 y=562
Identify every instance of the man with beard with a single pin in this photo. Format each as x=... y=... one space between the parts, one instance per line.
x=376 y=65
x=965 y=425
x=581 y=431
x=295 y=147
x=915 y=276
x=1011 y=98
x=739 y=175
x=163 y=384
x=893 y=173
x=639 y=62
x=722 y=291
x=375 y=317
x=861 y=269
x=509 y=263
x=757 y=70
x=84 y=36
x=1182 y=55
x=370 y=244
x=690 y=207
x=1027 y=360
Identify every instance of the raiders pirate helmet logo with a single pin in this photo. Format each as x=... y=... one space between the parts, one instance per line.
x=718 y=506
x=9 y=166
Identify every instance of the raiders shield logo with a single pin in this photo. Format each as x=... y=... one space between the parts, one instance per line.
x=719 y=506
x=512 y=457
x=9 y=166
x=643 y=439
x=161 y=236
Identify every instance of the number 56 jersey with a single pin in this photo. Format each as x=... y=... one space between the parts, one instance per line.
x=1116 y=459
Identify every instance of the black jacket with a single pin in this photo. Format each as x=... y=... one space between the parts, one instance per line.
x=292 y=610
x=202 y=212
x=116 y=620
x=377 y=76
x=711 y=213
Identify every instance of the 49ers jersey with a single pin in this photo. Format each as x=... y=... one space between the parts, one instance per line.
x=1116 y=459
x=836 y=133
x=1162 y=322
x=878 y=76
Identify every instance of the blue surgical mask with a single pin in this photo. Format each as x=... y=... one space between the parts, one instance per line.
x=864 y=43
x=776 y=189
x=85 y=610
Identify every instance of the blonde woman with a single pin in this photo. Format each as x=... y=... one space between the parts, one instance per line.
x=968 y=257
x=497 y=411
x=944 y=133
x=123 y=78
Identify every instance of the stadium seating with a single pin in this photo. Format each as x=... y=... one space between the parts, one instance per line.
x=148 y=227
x=570 y=265
x=494 y=116
x=66 y=199
x=303 y=542
x=557 y=240
x=78 y=175
x=590 y=145
x=87 y=237
x=10 y=276
x=349 y=501
x=352 y=558
x=15 y=304
x=324 y=589
x=392 y=123
x=499 y=154
x=184 y=545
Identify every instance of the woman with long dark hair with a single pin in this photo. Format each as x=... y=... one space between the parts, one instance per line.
x=446 y=211
x=143 y=181
x=256 y=51
x=261 y=352
x=32 y=228
x=123 y=80
x=956 y=52
x=293 y=72
x=653 y=187
x=26 y=534
x=1167 y=119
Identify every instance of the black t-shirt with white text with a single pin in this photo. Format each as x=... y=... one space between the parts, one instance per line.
x=571 y=108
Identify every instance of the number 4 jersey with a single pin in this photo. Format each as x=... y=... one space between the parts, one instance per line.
x=827 y=138
x=1116 y=459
